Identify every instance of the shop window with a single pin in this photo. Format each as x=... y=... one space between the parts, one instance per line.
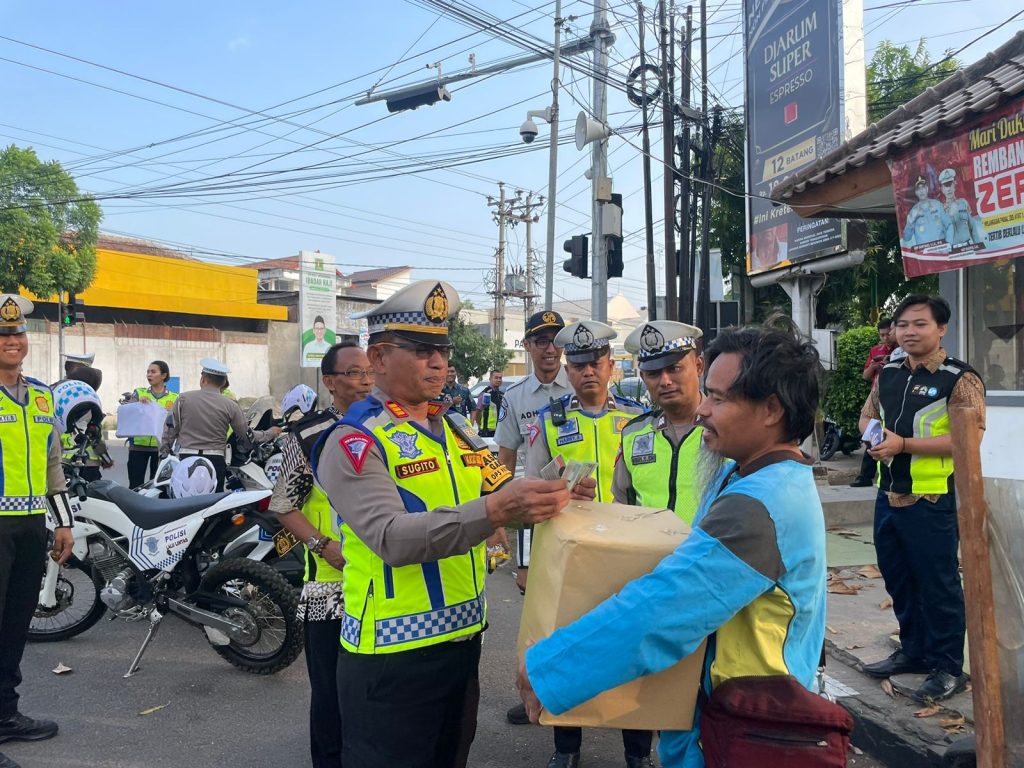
x=995 y=323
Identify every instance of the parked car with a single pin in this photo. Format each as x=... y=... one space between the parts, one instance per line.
x=632 y=388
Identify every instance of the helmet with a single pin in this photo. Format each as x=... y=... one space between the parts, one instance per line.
x=76 y=405
x=301 y=398
x=194 y=476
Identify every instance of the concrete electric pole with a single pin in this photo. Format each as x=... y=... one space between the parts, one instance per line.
x=602 y=38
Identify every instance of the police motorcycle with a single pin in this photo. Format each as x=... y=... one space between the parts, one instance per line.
x=143 y=558
x=266 y=540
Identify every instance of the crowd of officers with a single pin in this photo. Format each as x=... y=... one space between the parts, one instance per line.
x=396 y=496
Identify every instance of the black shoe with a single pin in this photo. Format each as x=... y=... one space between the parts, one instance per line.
x=6 y=762
x=940 y=685
x=639 y=762
x=18 y=727
x=517 y=715
x=861 y=482
x=564 y=760
x=897 y=664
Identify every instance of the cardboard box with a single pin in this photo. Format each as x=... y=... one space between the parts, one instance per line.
x=580 y=558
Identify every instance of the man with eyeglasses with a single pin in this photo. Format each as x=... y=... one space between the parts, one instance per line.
x=586 y=426
x=416 y=493
x=303 y=509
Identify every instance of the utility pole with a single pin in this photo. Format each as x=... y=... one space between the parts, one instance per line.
x=707 y=174
x=549 y=264
x=500 y=215
x=668 y=153
x=602 y=37
x=652 y=290
x=685 y=190
x=524 y=212
x=60 y=334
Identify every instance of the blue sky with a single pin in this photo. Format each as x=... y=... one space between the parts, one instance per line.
x=187 y=141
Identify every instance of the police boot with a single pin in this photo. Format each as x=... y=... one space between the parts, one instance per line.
x=639 y=762
x=6 y=762
x=564 y=760
x=19 y=727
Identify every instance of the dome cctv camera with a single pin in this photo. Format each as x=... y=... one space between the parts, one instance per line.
x=528 y=131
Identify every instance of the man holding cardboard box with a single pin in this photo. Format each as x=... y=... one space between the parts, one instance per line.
x=585 y=427
x=658 y=466
x=416 y=492
x=751 y=575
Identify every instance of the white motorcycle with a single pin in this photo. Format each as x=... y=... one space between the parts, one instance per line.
x=143 y=558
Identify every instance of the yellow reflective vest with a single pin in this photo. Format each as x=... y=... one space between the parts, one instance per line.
x=145 y=395
x=317 y=511
x=25 y=432
x=662 y=475
x=390 y=609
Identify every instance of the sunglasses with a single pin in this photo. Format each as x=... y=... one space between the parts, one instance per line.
x=422 y=351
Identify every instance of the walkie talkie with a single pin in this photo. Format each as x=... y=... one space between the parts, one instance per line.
x=558 y=417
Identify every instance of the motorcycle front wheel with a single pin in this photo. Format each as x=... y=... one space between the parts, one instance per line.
x=78 y=605
x=271 y=637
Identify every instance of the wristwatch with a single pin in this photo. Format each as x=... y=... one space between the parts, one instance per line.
x=316 y=544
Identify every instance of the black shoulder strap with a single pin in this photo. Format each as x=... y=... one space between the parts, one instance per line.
x=309 y=428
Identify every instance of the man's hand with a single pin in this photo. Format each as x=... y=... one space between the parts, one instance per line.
x=63 y=543
x=332 y=554
x=526 y=500
x=891 y=446
x=585 y=489
x=275 y=431
x=533 y=705
x=498 y=539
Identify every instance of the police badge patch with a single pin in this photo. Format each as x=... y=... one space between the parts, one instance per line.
x=643 y=449
x=406 y=443
x=569 y=433
x=651 y=339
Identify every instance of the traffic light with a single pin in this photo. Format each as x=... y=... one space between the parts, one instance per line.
x=614 y=256
x=74 y=310
x=576 y=264
x=417 y=96
x=614 y=235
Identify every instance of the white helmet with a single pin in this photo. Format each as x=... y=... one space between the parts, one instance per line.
x=194 y=476
x=76 y=404
x=301 y=398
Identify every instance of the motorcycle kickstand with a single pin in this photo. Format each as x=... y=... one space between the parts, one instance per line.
x=155 y=617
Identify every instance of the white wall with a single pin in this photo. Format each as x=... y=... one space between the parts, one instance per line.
x=1001 y=446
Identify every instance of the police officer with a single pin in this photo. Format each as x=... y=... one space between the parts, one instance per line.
x=416 y=492
x=73 y=362
x=455 y=394
x=303 y=509
x=143 y=451
x=966 y=229
x=916 y=533
x=32 y=477
x=489 y=407
x=199 y=421
x=586 y=426
x=661 y=461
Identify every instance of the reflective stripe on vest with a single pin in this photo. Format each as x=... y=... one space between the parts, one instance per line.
x=166 y=400
x=390 y=609
x=25 y=432
x=663 y=476
x=317 y=511
x=589 y=438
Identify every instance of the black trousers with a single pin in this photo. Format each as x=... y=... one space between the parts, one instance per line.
x=408 y=709
x=917 y=555
x=636 y=743
x=22 y=553
x=138 y=464
x=868 y=467
x=322 y=647
x=220 y=466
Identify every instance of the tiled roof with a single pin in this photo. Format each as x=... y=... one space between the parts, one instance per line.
x=376 y=275
x=288 y=262
x=134 y=245
x=982 y=87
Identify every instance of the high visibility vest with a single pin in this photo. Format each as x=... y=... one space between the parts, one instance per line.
x=317 y=511
x=25 y=432
x=587 y=437
x=915 y=404
x=662 y=475
x=144 y=395
x=390 y=609
x=491 y=411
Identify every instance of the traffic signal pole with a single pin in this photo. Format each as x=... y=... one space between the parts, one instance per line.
x=601 y=34
x=60 y=334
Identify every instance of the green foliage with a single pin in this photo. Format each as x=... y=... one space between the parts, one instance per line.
x=48 y=229
x=847 y=390
x=896 y=75
x=474 y=354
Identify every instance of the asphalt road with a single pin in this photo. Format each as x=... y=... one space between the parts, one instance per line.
x=188 y=707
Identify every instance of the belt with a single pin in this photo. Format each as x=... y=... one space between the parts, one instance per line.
x=201 y=452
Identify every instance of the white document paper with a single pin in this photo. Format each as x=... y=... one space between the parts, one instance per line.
x=141 y=420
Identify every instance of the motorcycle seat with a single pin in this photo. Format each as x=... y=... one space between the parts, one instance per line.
x=149 y=513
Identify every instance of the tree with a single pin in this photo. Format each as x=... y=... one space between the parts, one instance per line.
x=474 y=354
x=48 y=229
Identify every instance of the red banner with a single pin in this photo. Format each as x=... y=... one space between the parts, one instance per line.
x=960 y=201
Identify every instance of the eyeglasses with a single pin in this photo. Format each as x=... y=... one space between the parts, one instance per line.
x=542 y=343
x=355 y=373
x=422 y=351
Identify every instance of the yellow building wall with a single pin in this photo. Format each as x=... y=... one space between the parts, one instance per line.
x=139 y=281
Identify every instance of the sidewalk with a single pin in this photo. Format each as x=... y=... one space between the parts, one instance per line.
x=860 y=629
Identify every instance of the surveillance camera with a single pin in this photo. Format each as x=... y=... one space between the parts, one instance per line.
x=528 y=131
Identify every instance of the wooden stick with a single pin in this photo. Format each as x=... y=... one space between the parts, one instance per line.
x=972 y=514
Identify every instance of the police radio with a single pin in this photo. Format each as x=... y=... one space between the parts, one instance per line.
x=558 y=417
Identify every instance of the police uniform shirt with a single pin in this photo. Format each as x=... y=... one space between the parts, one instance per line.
x=377 y=514
x=523 y=401
x=622 y=481
x=55 y=481
x=200 y=419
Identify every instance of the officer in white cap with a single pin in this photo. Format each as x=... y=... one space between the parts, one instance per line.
x=966 y=229
x=586 y=426
x=662 y=451
x=199 y=421
x=417 y=493
x=76 y=362
x=32 y=480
